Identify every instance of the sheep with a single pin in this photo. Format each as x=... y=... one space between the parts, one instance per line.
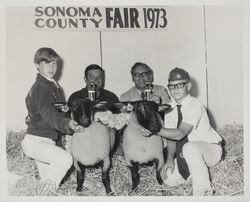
x=139 y=149
x=92 y=146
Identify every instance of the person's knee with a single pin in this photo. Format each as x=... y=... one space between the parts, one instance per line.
x=188 y=147
x=66 y=160
x=190 y=150
x=26 y=146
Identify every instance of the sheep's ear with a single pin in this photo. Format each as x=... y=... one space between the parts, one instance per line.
x=101 y=105
x=164 y=107
x=119 y=105
x=72 y=106
x=61 y=106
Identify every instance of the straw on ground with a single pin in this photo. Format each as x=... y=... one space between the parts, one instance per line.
x=227 y=177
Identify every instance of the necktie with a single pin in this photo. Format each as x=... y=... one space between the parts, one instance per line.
x=143 y=96
x=179 y=115
x=181 y=162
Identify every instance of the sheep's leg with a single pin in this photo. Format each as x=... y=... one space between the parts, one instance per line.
x=159 y=163
x=105 y=175
x=67 y=175
x=135 y=175
x=80 y=175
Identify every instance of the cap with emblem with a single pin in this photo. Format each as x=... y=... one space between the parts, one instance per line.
x=177 y=74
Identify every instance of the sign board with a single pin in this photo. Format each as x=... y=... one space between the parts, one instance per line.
x=100 y=18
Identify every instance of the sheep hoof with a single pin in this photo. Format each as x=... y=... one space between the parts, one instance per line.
x=111 y=194
x=159 y=178
x=79 y=189
x=134 y=186
x=160 y=181
x=132 y=190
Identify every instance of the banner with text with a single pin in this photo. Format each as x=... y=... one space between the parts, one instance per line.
x=100 y=18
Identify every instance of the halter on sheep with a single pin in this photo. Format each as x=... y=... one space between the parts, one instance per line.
x=92 y=146
x=139 y=149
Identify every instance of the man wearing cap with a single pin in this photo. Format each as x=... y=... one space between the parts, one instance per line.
x=197 y=143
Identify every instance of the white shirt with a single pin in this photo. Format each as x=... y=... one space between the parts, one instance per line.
x=194 y=113
x=52 y=80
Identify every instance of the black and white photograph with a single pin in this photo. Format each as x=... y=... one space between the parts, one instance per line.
x=125 y=99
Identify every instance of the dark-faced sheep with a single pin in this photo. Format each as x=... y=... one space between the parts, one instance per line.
x=93 y=145
x=139 y=149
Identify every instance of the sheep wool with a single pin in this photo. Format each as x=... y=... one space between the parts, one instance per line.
x=117 y=121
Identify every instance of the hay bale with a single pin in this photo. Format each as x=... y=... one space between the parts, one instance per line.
x=17 y=162
x=226 y=177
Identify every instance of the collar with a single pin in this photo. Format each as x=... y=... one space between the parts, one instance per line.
x=184 y=102
x=51 y=80
x=138 y=91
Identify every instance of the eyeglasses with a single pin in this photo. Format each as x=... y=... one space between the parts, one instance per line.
x=137 y=75
x=178 y=86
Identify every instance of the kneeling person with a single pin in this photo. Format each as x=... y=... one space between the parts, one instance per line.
x=197 y=143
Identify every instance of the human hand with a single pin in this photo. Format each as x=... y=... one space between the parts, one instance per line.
x=127 y=108
x=145 y=132
x=75 y=127
x=168 y=167
x=65 y=108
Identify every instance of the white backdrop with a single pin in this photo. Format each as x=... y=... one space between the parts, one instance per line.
x=182 y=45
x=224 y=26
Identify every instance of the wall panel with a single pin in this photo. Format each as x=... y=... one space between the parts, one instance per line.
x=181 y=45
x=225 y=67
x=77 y=49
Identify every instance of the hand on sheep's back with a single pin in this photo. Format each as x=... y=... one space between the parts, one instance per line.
x=117 y=121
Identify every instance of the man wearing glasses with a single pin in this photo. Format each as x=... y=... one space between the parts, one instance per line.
x=197 y=143
x=142 y=76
